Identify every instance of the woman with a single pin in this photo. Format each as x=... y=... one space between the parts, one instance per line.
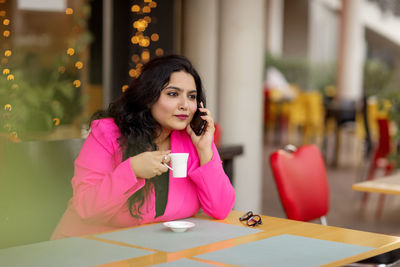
x=120 y=177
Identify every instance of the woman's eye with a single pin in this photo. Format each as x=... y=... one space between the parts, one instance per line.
x=172 y=94
x=192 y=96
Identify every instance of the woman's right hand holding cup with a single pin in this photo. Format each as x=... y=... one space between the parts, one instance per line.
x=150 y=164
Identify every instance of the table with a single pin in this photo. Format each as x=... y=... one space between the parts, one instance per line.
x=388 y=185
x=273 y=230
x=385 y=185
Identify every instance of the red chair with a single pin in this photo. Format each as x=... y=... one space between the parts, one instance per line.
x=301 y=179
x=379 y=161
x=217 y=134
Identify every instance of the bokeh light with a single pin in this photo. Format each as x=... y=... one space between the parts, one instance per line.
x=135 y=58
x=146 y=55
x=7 y=107
x=135 y=8
x=146 y=9
x=140 y=25
x=69 y=11
x=132 y=73
x=147 y=18
x=159 y=52
x=70 y=51
x=56 y=121
x=77 y=83
x=145 y=41
x=79 y=65
x=155 y=37
x=61 y=69
x=135 y=40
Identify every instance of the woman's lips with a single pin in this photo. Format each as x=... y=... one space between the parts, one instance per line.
x=182 y=117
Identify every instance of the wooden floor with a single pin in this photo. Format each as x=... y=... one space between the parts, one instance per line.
x=344 y=202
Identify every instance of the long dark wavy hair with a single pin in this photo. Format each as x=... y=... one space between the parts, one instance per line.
x=131 y=112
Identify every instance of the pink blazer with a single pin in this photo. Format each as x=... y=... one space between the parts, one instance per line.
x=103 y=183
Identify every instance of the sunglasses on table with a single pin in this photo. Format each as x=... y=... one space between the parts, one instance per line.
x=251 y=219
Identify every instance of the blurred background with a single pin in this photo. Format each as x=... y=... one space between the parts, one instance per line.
x=275 y=72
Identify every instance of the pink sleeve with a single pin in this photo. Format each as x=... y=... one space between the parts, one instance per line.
x=214 y=190
x=102 y=183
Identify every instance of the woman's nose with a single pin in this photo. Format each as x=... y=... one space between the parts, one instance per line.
x=183 y=104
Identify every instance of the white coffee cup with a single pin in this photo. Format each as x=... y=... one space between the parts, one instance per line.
x=178 y=164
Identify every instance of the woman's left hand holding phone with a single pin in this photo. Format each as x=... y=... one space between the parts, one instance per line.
x=204 y=141
x=150 y=164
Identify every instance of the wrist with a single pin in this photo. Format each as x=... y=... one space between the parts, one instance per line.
x=205 y=156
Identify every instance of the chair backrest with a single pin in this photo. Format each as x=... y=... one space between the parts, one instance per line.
x=383 y=148
x=301 y=179
x=35 y=186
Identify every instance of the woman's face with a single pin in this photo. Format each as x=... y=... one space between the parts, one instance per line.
x=177 y=103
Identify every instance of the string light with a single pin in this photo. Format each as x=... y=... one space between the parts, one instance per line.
x=146 y=55
x=142 y=39
x=7 y=72
x=61 y=69
x=140 y=25
x=145 y=41
x=132 y=73
x=77 y=83
x=159 y=52
x=135 y=39
x=155 y=37
x=139 y=66
x=7 y=107
x=124 y=88
x=70 y=51
x=79 y=65
x=56 y=121
x=146 y=9
x=135 y=58
x=135 y=8
x=9 y=76
x=69 y=11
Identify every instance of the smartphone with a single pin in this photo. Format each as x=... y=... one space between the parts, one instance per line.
x=198 y=124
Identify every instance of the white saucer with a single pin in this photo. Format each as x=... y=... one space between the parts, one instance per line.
x=179 y=226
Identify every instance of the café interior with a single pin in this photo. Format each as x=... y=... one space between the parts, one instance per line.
x=307 y=88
